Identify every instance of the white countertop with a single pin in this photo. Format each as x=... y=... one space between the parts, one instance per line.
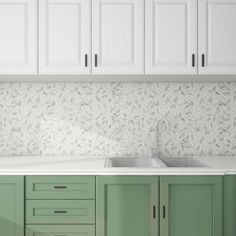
x=47 y=165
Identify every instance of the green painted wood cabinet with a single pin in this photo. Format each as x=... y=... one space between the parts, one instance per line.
x=123 y=206
x=60 y=230
x=60 y=187
x=60 y=211
x=191 y=206
x=229 y=205
x=11 y=205
x=127 y=206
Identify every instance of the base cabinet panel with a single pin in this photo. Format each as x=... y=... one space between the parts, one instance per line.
x=191 y=205
x=127 y=206
x=60 y=187
x=229 y=205
x=60 y=230
x=11 y=205
x=60 y=211
x=123 y=206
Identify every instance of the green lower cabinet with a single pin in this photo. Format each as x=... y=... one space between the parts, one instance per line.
x=124 y=206
x=60 y=211
x=11 y=205
x=127 y=206
x=191 y=206
x=229 y=205
x=60 y=187
x=60 y=230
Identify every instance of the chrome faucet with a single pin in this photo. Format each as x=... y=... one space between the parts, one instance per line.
x=161 y=128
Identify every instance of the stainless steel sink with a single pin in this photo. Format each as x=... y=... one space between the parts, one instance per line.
x=134 y=162
x=182 y=162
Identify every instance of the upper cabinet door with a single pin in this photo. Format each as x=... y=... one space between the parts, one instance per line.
x=65 y=36
x=18 y=30
x=217 y=36
x=118 y=36
x=171 y=36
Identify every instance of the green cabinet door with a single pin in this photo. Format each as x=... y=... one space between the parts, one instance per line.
x=229 y=205
x=11 y=205
x=191 y=206
x=127 y=206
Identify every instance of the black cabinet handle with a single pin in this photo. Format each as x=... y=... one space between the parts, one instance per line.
x=96 y=60
x=164 y=212
x=60 y=212
x=154 y=212
x=193 y=60
x=60 y=187
x=203 y=60
x=86 y=60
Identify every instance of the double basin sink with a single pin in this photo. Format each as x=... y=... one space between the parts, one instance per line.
x=136 y=162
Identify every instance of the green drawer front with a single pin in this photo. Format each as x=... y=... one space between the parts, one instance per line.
x=60 y=211
x=60 y=230
x=60 y=187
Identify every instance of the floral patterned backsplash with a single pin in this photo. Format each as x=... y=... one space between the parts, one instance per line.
x=117 y=118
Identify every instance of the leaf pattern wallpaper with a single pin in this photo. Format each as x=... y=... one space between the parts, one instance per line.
x=115 y=119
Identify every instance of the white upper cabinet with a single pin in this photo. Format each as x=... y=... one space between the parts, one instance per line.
x=18 y=32
x=118 y=36
x=64 y=36
x=171 y=37
x=217 y=36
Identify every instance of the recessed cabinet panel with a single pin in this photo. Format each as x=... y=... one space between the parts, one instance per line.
x=60 y=211
x=60 y=187
x=191 y=205
x=171 y=36
x=65 y=34
x=229 y=203
x=11 y=205
x=217 y=36
x=127 y=205
x=60 y=230
x=118 y=36
x=18 y=27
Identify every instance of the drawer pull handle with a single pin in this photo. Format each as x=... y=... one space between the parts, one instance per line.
x=164 y=212
x=60 y=212
x=59 y=235
x=193 y=60
x=96 y=60
x=60 y=187
x=203 y=60
x=154 y=212
x=86 y=60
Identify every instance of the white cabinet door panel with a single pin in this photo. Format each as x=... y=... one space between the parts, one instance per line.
x=118 y=36
x=18 y=31
x=217 y=36
x=65 y=36
x=171 y=36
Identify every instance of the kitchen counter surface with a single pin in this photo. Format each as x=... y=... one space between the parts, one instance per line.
x=47 y=165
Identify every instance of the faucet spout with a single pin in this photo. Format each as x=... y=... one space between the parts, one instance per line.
x=161 y=128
